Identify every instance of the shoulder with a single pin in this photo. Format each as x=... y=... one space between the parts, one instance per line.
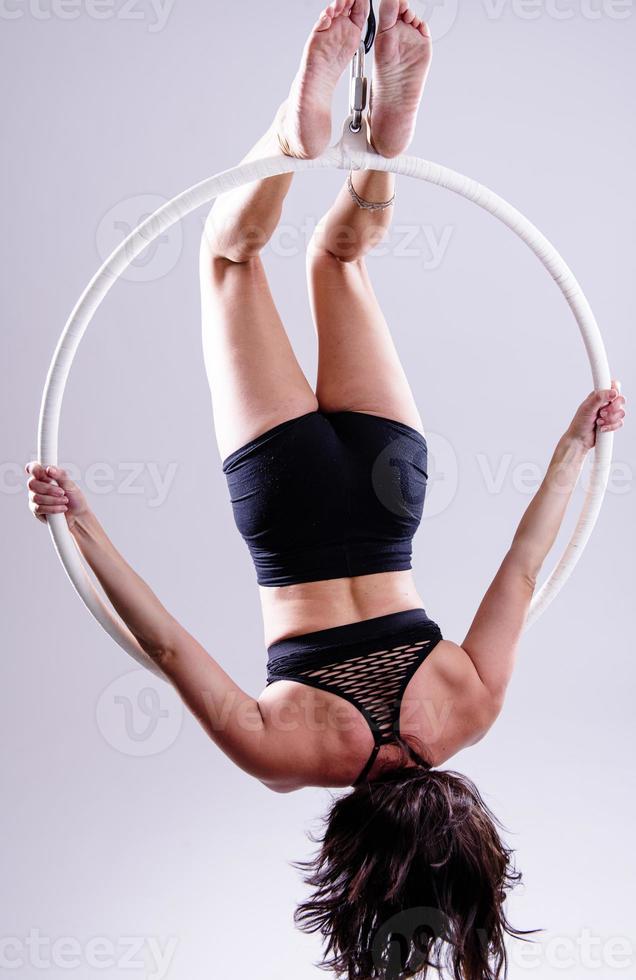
x=452 y=708
x=310 y=737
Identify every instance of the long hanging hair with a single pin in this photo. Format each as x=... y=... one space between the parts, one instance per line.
x=411 y=875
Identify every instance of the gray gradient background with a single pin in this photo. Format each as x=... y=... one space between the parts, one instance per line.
x=119 y=818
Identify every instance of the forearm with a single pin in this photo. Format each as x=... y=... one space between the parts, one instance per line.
x=542 y=520
x=147 y=619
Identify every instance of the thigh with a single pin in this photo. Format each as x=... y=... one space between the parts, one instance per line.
x=359 y=368
x=255 y=379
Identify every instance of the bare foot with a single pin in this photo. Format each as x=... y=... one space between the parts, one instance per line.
x=403 y=52
x=304 y=121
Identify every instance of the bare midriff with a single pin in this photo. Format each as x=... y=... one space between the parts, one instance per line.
x=293 y=610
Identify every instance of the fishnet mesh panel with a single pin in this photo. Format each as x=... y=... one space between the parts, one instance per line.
x=373 y=681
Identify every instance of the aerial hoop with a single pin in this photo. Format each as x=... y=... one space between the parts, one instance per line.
x=351 y=152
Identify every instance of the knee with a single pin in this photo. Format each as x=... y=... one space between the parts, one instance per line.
x=322 y=259
x=217 y=269
x=238 y=246
x=342 y=244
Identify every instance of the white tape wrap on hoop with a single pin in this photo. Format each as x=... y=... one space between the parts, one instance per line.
x=343 y=156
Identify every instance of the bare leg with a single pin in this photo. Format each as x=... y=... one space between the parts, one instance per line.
x=255 y=379
x=358 y=366
x=359 y=369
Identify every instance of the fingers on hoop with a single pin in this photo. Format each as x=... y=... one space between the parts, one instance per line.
x=45 y=496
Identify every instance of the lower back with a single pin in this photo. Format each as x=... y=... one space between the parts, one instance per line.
x=297 y=609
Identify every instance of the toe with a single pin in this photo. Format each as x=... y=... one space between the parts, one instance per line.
x=324 y=22
x=388 y=14
x=360 y=12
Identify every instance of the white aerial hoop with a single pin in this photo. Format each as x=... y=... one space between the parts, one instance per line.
x=351 y=152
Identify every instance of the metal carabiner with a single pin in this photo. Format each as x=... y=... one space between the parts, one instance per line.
x=359 y=90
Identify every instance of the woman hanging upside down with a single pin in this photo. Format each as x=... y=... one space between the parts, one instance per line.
x=328 y=487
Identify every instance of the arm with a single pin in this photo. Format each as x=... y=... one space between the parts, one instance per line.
x=492 y=640
x=231 y=718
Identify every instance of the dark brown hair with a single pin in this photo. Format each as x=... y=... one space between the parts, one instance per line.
x=411 y=874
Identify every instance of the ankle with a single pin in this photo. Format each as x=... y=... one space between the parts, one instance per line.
x=375 y=190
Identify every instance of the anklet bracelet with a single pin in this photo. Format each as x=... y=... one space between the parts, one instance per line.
x=367 y=205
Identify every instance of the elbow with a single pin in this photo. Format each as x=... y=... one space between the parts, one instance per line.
x=530 y=577
x=487 y=711
x=161 y=642
x=280 y=788
x=496 y=701
x=528 y=564
x=160 y=654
